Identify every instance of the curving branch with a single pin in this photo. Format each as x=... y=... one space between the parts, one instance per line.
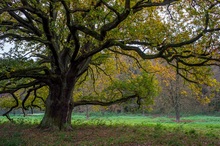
x=73 y=35
x=90 y=32
x=198 y=36
x=50 y=35
x=28 y=95
x=35 y=73
x=106 y=44
x=111 y=8
x=143 y=4
x=98 y=68
x=26 y=24
x=25 y=38
x=28 y=11
x=16 y=105
x=120 y=18
x=18 y=87
x=127 y=47
x=133 y=57
x=101 y=103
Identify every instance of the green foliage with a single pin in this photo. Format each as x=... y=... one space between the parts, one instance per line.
x=6 y=101
x=144 y=85
x=14 y=65
x=11 y=64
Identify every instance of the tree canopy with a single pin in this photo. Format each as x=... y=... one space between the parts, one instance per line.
x=64 y=38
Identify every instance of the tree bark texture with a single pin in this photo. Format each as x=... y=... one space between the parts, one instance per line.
x=59 y=106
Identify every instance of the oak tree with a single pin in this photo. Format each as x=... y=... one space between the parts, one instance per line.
x=63 y=36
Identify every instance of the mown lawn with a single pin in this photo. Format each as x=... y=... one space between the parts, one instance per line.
x=115 y=130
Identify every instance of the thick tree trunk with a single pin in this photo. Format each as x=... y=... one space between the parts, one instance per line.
x=59 y=106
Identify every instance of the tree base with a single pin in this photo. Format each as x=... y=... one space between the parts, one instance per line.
x=46 y=127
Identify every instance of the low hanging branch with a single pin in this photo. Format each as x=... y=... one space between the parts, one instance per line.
x=12 y=92
x=28 y=95
x=35 y=97
x=101 y=103
x=16 y=105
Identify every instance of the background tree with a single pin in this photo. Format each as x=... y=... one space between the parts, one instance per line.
x=64 y=36
x=178 y=95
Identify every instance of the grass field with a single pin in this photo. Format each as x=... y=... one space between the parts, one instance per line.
x=114 y=130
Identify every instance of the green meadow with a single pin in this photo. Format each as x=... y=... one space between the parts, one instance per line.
x=112 y=129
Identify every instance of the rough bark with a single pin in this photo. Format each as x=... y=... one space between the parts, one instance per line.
x=59 y=106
